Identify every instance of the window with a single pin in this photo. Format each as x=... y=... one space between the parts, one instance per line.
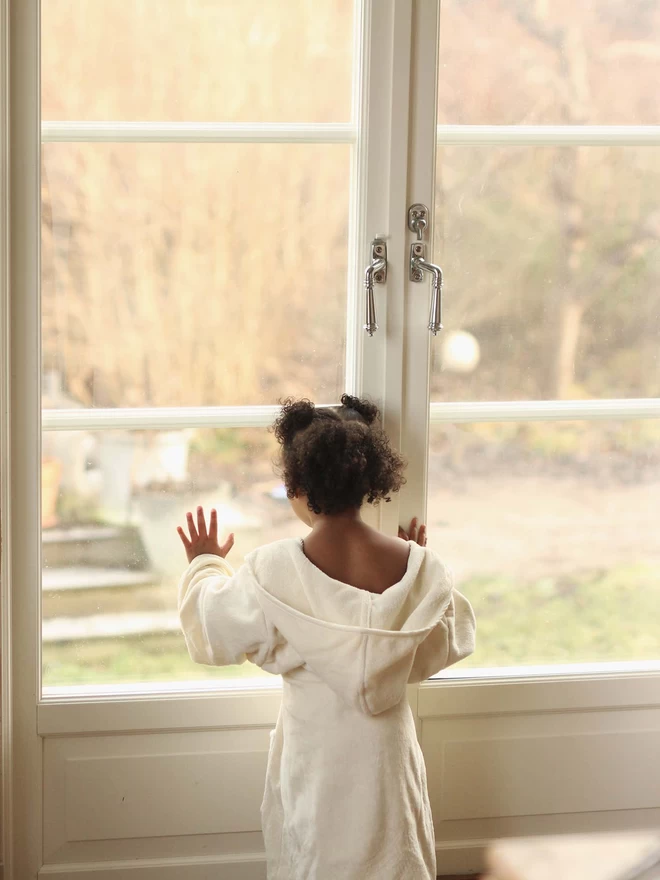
x=199 y=201
x=192 y=167
x=198 y=250
x=544 y=439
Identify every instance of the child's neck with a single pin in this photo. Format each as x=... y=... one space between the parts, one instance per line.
x=336 y=523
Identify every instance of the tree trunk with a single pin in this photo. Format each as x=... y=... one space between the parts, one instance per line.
x=569 y=322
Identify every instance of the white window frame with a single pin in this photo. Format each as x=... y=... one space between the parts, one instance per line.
x=412 y=406
x=407 y=114
x=419 y=412
x=422 y=189
x=28 y=717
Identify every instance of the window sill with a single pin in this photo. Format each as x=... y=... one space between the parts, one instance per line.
x=254 y=703
x=542 y=689
x=241 y=703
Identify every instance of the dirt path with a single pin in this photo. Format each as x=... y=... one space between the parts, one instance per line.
x=530 y=527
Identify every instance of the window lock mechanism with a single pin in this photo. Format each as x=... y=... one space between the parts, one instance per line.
x=418 y=221
x=375 y=273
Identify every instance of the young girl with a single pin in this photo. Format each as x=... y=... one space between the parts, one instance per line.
x=348 y=617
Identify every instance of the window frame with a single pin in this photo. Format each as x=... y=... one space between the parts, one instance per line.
x=28 y=715
x=353 y=133
x=401 y=110
x=25 y=712
x=405 y=401
x=407 y=415
x=419 y=412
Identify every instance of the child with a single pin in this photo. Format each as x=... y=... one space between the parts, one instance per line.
x=348 y=617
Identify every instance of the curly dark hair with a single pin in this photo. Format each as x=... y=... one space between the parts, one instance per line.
x=336 y=456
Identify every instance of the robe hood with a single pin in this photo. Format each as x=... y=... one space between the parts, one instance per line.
x=367 y=647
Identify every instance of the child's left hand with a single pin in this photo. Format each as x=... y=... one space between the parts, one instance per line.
x=203 y=541
x=416 y=532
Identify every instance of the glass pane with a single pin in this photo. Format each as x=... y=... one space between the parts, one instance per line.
x=552 y=532
x=197 y=60
x=191 y=274
x=112 y=558
x=552 y=273
x=563 y=63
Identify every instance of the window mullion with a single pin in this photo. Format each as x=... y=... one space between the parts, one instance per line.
x=549 y=135
x=420 y=190
x=197 y=132
x=545 y=410
x=159 y=418
x=387 y=181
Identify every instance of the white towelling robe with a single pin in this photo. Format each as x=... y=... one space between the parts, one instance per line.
x=345 y=794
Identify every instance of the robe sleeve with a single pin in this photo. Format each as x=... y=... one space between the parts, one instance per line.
x=451 y=640
x=222 y=620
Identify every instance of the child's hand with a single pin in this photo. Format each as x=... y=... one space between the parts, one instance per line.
x=200 y=540
x=415 y=533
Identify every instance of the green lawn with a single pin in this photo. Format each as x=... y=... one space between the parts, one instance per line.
x=590 y=617
x=151 y=658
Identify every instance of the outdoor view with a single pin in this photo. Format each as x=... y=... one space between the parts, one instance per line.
x=183 y=274
x=552 y=289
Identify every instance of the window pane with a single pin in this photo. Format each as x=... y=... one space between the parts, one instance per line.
x=188 y=274
x=197 y=60
x=552 y=532
x=551 y=259
x=112 y=558
x=514 y=61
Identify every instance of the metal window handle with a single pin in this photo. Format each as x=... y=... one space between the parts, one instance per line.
x=375 y=273
x=418 y=265
x=418 y=223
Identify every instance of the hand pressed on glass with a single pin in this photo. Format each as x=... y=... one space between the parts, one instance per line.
x=202 y=540
x=415 y=533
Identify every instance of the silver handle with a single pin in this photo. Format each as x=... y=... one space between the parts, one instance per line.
x=418 y=265
x=418 y=223
x=375 y=273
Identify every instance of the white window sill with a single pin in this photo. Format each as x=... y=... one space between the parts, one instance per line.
x=249 y=703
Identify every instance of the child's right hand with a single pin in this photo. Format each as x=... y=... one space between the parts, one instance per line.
x=202 y=540
x=415 y=533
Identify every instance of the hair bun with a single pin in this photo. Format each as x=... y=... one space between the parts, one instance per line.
x=368 y=411
x=296 y=415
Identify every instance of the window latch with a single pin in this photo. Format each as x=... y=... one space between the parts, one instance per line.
x=418 y=223
x=375 y=273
